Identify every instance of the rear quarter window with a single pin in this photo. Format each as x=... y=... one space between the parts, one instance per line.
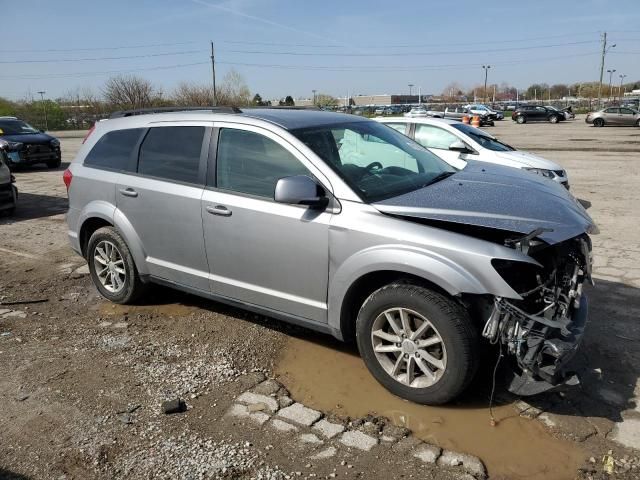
x=114 y=149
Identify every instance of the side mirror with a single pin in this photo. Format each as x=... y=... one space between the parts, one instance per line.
x=300 y=190
x=458 y=146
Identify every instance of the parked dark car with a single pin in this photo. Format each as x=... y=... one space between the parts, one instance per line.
x=27 y=145
x=536 y=113
x=8 y=191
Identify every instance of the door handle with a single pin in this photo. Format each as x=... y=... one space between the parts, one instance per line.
x=128 y=192
x=219 y=210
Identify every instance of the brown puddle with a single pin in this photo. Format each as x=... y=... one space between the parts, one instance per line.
x=332 y=379
x=167 y=310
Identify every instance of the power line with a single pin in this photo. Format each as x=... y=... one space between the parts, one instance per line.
x=448 y=44
x=90 y=49
x=95 y=59
x=407 y=54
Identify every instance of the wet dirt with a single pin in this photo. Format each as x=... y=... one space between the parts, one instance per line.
x=330 y=376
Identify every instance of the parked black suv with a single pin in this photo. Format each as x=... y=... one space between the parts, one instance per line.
x=27 y=145
x=536 y=113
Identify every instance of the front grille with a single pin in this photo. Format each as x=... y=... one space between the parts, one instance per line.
x=559 y=173
x=31 y=149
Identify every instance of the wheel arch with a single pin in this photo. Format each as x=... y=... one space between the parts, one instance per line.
x=102 y=214
x=368 y=283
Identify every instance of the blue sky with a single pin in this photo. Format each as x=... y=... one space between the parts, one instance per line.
x=289 y=47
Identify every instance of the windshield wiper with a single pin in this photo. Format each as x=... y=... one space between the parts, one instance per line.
x=437 y=178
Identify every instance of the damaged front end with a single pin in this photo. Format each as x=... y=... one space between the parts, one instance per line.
x=541 y=331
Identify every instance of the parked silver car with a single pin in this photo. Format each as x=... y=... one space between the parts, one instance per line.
x=343 y=225
x=614 y=116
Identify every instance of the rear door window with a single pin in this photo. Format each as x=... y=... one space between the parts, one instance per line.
x=401 y=127
x=172 y=153
x=434 y=137
x=114 y=150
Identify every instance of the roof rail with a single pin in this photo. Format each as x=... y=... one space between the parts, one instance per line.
x=146 y=111
x=287 y=107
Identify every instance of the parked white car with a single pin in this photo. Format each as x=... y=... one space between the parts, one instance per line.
x=456 y=143
x=416 y=112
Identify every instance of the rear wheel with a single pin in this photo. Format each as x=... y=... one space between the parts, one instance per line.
x=553 y=119
x=638 y=123
x=598 y=122
x=112 y=268
x=417 y=343
x=520 y=119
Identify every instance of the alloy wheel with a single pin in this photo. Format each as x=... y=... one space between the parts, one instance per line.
x=109 y=266
x=408 y=347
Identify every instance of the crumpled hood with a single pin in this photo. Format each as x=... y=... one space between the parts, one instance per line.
x=529 y=160
x=29 y=138
x=493 y=196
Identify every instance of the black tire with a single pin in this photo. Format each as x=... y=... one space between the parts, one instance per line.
x=598 y=122
x=54 y=163
x=638 y=123
x=520 y=119
x=133 y=286
x=553 y=119
x=451 y=322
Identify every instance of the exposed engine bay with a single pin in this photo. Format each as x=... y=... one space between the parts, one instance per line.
x=542 y=331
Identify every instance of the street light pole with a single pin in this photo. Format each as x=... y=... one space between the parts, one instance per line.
x=44 y=105
x=314 y=97
x=620 y=87
x=610 y=72
x=410 y=87
x=486 y=73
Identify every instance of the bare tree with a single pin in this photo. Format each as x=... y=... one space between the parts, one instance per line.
x=192 y=95
x=325 y=100
x=233 y=90
x=129 y=91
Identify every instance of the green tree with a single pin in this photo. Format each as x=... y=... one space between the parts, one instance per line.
x=257 y=100
x=288 y=101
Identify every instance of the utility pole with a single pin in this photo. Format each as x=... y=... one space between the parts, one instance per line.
x=44 y=105
x=213 y=76
x=486 y=72
x=494 y=93
x=610 y=72
x=604 y=53
x=410 y=87
x=314 y=97
x=420 y=95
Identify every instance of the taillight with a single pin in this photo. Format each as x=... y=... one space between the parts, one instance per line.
x=89 y=133
x=67 y=176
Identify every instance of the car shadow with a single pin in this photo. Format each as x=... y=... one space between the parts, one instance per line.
x=9 y=475
x=38 y=167
x=31 y=205
x=607 y=362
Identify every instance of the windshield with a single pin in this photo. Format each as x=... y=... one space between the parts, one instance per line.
x=16 y=127
x=482 y=138
x=375 y=160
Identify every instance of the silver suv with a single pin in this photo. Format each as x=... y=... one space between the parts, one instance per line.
x=343 y=225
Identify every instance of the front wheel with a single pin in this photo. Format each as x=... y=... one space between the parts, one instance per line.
x=553 y=119
x=112 y=268
x=520 y=119
x=417 y=343
x=598 y=122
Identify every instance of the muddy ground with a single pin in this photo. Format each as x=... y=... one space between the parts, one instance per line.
x=81 y=380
